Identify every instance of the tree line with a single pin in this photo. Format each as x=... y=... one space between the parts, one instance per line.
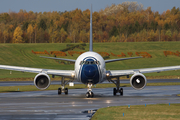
x=125 y=22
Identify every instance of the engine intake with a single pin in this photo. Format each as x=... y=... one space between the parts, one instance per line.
x=138 y=81
x=42 y=81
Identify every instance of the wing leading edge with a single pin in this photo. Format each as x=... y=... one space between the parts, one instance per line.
x=116 y=73
x=66 y=73
x=121 y=59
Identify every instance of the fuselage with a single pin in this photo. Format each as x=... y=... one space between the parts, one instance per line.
x=90 y=68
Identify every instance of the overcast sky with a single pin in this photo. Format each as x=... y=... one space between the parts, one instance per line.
x=62 y=5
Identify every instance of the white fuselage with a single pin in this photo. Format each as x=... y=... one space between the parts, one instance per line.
x=90 y=68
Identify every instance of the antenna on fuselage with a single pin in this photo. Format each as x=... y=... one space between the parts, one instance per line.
x=91 y=41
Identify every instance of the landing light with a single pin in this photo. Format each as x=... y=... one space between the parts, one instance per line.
x=72 y=75
x=107 y=74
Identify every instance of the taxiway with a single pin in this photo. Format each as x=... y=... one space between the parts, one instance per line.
x=45 y=105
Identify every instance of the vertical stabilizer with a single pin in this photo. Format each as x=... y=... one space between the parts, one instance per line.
x=91 y=40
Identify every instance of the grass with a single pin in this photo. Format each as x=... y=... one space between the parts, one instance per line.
x=139 y=112
x=4 y=89
x=21 y=55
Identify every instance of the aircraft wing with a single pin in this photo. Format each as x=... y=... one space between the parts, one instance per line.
x=66 y=73
x=116 y=73
x=113 y=60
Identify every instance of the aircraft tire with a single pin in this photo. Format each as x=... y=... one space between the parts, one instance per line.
x=59 y=91
x=87 y=95
x=114 y=91
x=121 y=91
x=66 y=91
x=92 y=94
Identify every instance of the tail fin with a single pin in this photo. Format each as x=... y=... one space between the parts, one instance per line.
x=91 y=40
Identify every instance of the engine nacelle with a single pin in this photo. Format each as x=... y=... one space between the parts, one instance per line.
x=138 y=81
x=42 y=81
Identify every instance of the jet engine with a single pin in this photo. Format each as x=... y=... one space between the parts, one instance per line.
x=42 y=81
x=138 y=81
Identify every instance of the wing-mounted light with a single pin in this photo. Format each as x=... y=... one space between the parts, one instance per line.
x=72 y=74
x=108 y=74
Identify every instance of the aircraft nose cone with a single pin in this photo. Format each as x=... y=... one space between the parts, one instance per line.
x=90 y=71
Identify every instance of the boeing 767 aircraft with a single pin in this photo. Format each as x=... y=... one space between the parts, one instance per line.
x=90 y=69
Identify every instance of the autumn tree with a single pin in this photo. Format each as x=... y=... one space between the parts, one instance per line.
x=40 y=35
x=4 y=31
x=127 y=22
x=42 y=24
x=5 y=34
x=52 y=34
x=5 y=17
x=35 y=32
x=74 y=35
x=113 y=32
x=63 y=34
x=29 y=32
x=82 y=36
x=17 y=35
x=25 y=26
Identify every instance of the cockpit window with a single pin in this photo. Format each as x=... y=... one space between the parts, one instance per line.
x=90 y=62
x=87 y=62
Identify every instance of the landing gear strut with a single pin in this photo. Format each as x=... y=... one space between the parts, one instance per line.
x=62 y=89
x=89 y=93
x=117 y=89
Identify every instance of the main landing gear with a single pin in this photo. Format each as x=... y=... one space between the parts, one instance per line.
x=117 y=89
x=62 y=89
x=89 y=93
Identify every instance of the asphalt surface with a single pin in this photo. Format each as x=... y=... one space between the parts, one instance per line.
x=19 y=83
x=47 y=105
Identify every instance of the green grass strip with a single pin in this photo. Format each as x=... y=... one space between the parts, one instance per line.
x=139 y=112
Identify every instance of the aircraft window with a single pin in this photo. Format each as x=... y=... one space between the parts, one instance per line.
x=90 y=62
x=86 y=62
x=81 y=63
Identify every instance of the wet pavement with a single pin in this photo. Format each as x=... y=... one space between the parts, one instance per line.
x=45 y=105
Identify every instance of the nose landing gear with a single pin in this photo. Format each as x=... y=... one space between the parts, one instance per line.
x=89 y=94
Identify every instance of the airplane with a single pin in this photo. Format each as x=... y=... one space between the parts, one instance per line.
x=90 y=69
